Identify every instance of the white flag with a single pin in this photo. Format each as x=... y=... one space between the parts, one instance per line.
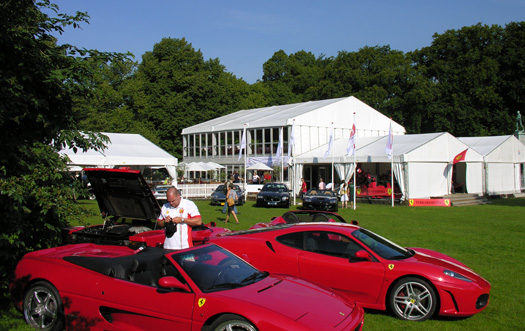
x=243 y=143
x=389 y=143
x=330 y=143
x=292 y=140
x=279 y=151
x=350 y=148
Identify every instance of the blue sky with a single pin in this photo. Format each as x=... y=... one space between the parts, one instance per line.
x=243 y=34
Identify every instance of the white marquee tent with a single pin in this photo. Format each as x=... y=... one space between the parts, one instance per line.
x=422 y=162
x=124 y=150
x=504 y=157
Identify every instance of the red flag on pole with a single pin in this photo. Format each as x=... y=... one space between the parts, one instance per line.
x=460 y=157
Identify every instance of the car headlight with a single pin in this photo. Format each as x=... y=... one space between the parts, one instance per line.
x=307 y=199
x=259 y=197
x=453 y=274
x=284 y=198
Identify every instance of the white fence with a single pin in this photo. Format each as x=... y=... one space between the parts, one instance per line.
x=203 y=191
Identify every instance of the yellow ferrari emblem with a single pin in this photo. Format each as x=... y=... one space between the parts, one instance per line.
x=201 y=302
x=447 y=202
x=411 y=202
x=391 y=266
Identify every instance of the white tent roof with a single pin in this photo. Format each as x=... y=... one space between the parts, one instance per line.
x=427 y=147
x=498 y=149
x=259 y=166
x=338 y=150
x=124 y=149
x=313 y=113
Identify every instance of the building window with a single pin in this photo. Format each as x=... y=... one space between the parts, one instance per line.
x=258 y=138
x=191 y=145
x=267 y=141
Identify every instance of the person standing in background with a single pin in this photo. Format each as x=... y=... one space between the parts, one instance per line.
x=303 y=188
x=231 y=194
x=343 y=191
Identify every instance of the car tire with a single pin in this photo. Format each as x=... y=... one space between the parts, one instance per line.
x=232 y=322
x=336 y=208
x=42 y=307
x=413 y=299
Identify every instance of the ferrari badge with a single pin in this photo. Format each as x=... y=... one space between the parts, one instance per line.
x=201 y=302
x=391 y=266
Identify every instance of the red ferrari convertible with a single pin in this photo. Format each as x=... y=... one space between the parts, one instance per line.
x=96 y=287
x=414 y=283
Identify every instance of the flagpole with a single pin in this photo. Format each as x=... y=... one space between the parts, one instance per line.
x=392 y=164
x=282 y=154
x=355 y=181
x=332 y=170
x=291 y=143
x=245 y=157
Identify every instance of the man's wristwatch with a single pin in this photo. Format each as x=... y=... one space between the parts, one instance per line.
x=182 y=221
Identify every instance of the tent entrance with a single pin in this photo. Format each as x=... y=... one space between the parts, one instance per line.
x=312 y=174
x=459 y=178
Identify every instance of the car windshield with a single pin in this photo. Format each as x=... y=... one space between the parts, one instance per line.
x=219 y=188
x=213 y=268
x=311 y=216
x=274 y=188
x=381 y=246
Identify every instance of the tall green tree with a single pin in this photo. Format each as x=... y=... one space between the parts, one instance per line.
x=178 y=89
x=380 y=77
x=464 y=67
x=289 y=77
x=37 y=81
x=512 y=66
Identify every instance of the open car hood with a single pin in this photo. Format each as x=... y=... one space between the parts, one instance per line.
x=123 y=193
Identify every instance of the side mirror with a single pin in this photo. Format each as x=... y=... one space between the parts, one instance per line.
x=170 y=282
x=361 y=255
x=354 y=222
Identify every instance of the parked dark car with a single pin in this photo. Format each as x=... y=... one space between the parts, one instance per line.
x=130 y=211
x=321 y=200
x=219 y=195
x=274 y=194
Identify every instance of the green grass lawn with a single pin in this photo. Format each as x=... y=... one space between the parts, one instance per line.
x=488 y=238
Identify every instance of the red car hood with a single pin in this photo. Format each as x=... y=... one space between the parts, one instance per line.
x=434 y=258
x=294 y=303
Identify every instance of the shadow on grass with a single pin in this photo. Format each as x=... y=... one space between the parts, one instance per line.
x=436 y=317
x=509 y=202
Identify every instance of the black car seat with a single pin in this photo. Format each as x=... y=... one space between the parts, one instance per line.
x=140 y=274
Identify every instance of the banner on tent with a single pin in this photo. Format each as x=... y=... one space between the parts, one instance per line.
x=429 y=202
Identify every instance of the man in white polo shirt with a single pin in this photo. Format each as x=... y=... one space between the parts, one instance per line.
x=179 y=215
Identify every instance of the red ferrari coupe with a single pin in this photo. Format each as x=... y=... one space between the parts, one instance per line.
x=414 y=283
x=96 y=287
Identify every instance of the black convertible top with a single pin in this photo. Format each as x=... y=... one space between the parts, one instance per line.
x=149 y=259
